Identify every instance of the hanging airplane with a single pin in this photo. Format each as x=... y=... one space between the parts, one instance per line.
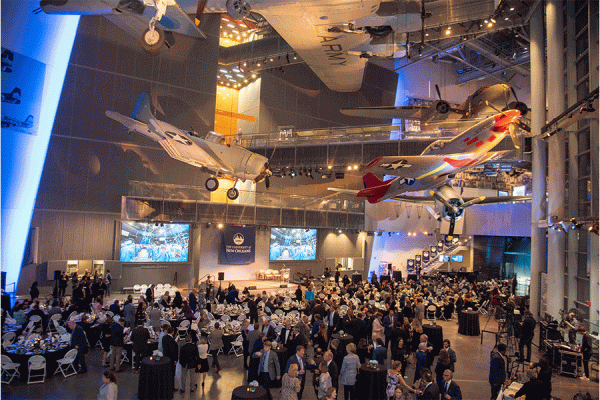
x=432 y=170
x=483 y=102
x=9 y=122
x=208 y=153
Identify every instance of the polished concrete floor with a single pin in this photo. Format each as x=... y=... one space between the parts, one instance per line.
x=471 y=374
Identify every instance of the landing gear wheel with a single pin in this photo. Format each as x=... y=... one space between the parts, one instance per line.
x=211 y=184
x=238 y=9
x=232 y=194
x=153 y=41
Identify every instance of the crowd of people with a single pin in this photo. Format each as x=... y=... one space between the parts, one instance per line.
x=384 y=319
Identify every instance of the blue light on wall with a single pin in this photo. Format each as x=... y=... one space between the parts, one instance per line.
x=400 y=99
x=47 y=39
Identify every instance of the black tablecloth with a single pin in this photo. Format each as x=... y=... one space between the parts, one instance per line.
x=344 y=341
x=468 y=323
x=156 y=379
x=435 y=336
x=51 y=361
x=227 y=339
x=242 y=393
x=371 y=382
x=128 y=347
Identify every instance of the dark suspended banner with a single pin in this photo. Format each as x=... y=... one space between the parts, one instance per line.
x=238 y=245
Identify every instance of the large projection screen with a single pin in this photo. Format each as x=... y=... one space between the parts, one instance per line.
x=151 y=242
x=293 y=244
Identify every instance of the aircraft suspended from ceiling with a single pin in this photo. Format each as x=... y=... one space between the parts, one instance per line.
x=334 y=37
x=432 y=170
x=208 y=153
x=483 y=102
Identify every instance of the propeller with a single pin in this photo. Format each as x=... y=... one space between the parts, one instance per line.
x=444 y=201
x=439 y=93
x=512 y=127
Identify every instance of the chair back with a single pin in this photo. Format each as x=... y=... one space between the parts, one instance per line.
x=8 y=338
x=239 y=339
x=61 y=330
x=36 y=362
x=6 y=360
x=185 y=324
x=70 y=356
x=35 y=319
x=431 y=308
x=225 y=318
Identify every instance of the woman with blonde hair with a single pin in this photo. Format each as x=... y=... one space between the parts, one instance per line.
x=349 y=370
x=202 y=367
x=324 y=380
x=395 y=380
x=290 y=384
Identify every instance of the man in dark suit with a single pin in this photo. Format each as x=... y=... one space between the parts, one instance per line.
x=334 y=321
x=421 y=360
x=448 y=388
x=116 y=344
x=334 y=371
x=150 y=294
x=268 y=329
x=378 y=352
x=303 y=364
x=253 y=309
x=497 y=370
x=139 y=337
x=431 y=391
x=389 y=321
x=299 y=294
x=79 y=342
x=286 y=333
x=170 y=348
x=527 y=332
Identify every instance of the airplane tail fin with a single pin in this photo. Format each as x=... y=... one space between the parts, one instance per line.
x=142 y=111
x=375 y=188
x=29 y=120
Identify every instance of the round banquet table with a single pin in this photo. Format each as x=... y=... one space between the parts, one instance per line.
x=128 y=347
x=227 y=339
x=345 y=339
x=468 y=323
x=435 y=336
x=51 y=360
x=372 y=382
x=156 y=379
x=243 y=393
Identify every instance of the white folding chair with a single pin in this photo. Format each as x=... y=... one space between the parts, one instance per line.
x=210 y=316
x=54 y=323
x=124 y=357
x=483 y=308
x=241 y=317
x=279 y=312
x=36 y=363
x=8 y=339
x=36 y=319
x=236 y=346
x=431 y=312
x=9 y=369
x=183 y=328
x=110 y=314
x=137 y=289
x=61 y=330
x=66 y=363
x=225 y=318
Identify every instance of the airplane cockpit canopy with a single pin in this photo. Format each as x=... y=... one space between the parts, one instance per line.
x=437 y=145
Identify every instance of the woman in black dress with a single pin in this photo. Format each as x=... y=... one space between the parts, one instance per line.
x=106 y=339
x=245 y=342
x=399 y=353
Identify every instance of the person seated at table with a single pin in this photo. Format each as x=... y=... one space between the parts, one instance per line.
x=36 y=311
x=177 y=301
x=19 y=315
x=115 y=308
x=108 y=390
x=186 y=310
x=164 y=302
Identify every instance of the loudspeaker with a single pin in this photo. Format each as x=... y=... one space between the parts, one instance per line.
x=221 y=276
x=384 y=278
x=397 y=276
x=57 y=274
x=283 y=285
x=356 y=278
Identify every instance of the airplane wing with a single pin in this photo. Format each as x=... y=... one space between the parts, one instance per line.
x=500 y=199
x=427 y=114
x=416 y=167
x=312 y=29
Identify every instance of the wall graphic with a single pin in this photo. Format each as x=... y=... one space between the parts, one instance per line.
x=238 y=245
x=22 y=86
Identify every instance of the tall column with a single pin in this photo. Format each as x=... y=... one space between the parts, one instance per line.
x=556 y=153
x=538 y=159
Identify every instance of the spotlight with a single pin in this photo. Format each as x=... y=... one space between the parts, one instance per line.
x=349 y=168
x=355 y=167
x=292 y=172
x=329 y=166
x=493 y=20
x=220 y=226
x=339 y=231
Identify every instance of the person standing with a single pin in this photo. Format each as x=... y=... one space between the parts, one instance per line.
x=139 y=337
x=129 y=312
x=108 y=281
x=586 y=350
x=388 y=326
x=299 y=294
x=108 y=389
x=497 y=370
x=527 y=332
x=170 y=349
x=290 y=384
x=116 y=344
x=79 y=342
x=431 y=390
x=451 y=354
x=253 y=310
x=215 y=338
x=349 y=371
x=62 y=284
x=202 y=367
x=449 y=390
x=34 y=292
x=150 y=294
x=303 y=365
x=269 y=369
x=188 y=359
x=193 y=301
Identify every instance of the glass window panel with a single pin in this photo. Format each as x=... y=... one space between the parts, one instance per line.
x=581 y=44
x=582 y=265
x=581 y=19
x=584 y=209
x=583 y=139
x=583 y=290
x=584 y=164
x=582 y=68
x=583 y=89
